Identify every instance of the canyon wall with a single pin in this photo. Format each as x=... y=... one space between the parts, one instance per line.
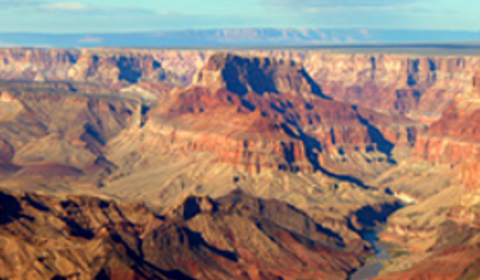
x=269 y=113
x=441 y=230
x=455 y=139
x=421 y=87
x=278 y=127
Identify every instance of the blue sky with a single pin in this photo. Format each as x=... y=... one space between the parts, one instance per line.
x=101 y=16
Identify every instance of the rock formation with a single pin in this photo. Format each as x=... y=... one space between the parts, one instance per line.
x=442 y=230
x=420 y=86
x=116 y=70
x=234 y=237
x=274 y=116
x=176 y=130
x=71 y=137
x=51 y=130
x=454 y=139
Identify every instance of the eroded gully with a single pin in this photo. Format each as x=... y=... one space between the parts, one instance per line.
x=374 y=265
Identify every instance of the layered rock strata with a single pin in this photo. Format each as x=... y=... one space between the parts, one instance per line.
x=233 y=237
x=442 y=230
x=270 y=114
x=419 y=86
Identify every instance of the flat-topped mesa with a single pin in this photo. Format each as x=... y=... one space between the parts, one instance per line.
x=242 y=75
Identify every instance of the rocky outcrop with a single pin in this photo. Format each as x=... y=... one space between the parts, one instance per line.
x=420 y=86
x=51 y=130
x=269 y=114
x=116 y=70
x=234 y=237
x=242 y=75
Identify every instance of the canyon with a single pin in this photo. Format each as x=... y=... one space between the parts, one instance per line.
x=442 y=229
x=239 y=164
x=420 y=86
x=201 y=238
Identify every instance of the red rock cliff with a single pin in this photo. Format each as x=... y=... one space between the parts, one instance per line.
x=268 y=113
x=419 y=86
x=455 y=138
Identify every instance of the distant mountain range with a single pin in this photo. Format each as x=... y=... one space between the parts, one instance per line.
x=259 y=37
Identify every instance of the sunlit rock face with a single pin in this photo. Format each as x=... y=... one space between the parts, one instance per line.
x=455 y=138
x=263 y=113
x=442 y=229
x=94 y=238
x=51 y=131
x=419 y=86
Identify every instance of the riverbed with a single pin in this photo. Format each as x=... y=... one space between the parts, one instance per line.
x=373 y=267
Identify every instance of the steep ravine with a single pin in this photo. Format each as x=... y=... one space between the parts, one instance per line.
x=374 y=266
x=373 y=224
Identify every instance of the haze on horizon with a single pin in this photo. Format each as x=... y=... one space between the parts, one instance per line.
x=121 y=16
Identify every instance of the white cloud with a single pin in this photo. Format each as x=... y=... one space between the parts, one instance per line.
x=342 y=9
x=86 y=10
x=68 y=6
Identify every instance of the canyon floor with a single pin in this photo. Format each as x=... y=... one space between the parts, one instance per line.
x=239 y=164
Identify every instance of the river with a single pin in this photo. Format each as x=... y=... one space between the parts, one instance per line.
x=373 y=267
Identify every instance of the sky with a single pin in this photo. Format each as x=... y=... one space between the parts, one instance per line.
x=121 y=16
